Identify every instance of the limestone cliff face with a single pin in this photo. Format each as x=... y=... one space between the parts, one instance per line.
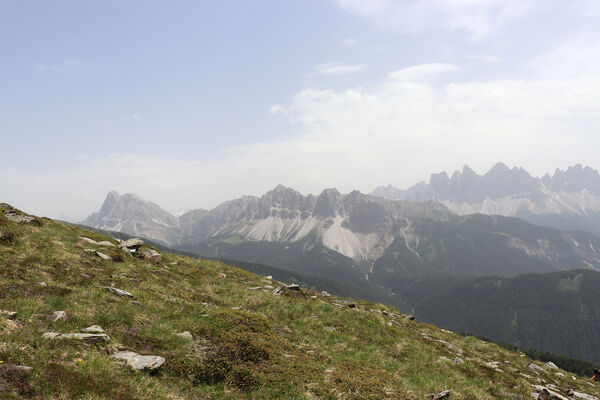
x=568 y=199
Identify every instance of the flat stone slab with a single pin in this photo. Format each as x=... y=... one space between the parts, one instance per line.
x=86 y=337
x=118 y=292
x=103 y=256
x=139 y=362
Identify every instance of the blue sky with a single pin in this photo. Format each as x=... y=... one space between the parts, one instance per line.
x=190 y=103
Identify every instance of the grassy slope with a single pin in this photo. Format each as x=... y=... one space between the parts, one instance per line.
x=247 y=343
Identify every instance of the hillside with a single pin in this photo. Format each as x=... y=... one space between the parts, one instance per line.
x=243 y=340
x=557 y=312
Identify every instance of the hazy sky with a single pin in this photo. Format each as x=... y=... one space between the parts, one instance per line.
x=190 y=103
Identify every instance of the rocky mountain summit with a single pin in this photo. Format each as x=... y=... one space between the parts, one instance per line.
x=567 y=199
x=356 y=225
x=365 y=234
x=136 y=216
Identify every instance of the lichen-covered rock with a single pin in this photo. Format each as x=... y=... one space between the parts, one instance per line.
x=139 y=362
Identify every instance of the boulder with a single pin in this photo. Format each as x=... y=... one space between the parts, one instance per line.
x=8 y=314
x=118 y=292
x=86 y=337
x=139 y=362
x=132 y=244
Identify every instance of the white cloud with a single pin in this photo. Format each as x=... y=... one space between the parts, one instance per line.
x=338 y=69
x=349 y=42
x=483 y=59
x=422 y=72
x=476 y=17
x=397 y=130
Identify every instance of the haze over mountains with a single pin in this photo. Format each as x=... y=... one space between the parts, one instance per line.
x=414 y=254
x=567 y=199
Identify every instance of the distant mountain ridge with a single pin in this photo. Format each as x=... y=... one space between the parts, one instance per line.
x=567 y=199
x=354 y=236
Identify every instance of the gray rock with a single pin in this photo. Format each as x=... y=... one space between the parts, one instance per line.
x=536 y=368
x=139 y=362
x=103 y=256
x=492 y=364
x=450 y=346
x=132 y=244
x=441 y=395
x=106 y=243
x=86 y=337
x=151 y=254
x=458 y=361
x=583 y=396
x=185 y=335
x=293 y=287
x=118 y=292
x=545 y=393
x=59 y=316
x=43 y=284
x=8 y=314
x=93 y=329
x=551 y=365
x=13 y=216
x=86 y=239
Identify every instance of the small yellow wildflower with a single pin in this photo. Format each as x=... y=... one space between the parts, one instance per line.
x=79 y=360
x=1 y=362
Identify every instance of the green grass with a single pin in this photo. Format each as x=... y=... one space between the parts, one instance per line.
x=248 y=344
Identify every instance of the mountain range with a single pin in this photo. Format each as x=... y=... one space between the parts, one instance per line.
x=568 y=199
x=365 y=236
x=474 y=273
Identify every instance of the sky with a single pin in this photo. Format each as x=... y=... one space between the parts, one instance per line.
x=191 y=103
